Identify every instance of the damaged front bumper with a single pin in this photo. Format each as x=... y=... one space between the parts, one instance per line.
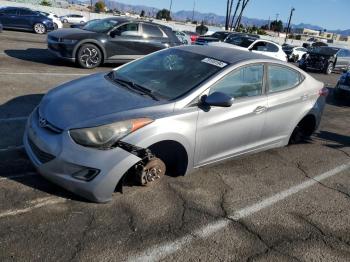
x=59 y=159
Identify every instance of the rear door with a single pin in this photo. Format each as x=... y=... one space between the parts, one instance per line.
x=285 y=102
x=342 y=59
x=154 y=39
x=8 y=17
x=124 y=42
x=25 y=18
x=265 y=48
x=223 y=132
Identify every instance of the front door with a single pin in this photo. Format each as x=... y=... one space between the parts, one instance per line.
x=223 y=132
x=8 y=17
x=124 y=42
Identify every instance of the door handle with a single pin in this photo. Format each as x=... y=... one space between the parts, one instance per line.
x=260 y=109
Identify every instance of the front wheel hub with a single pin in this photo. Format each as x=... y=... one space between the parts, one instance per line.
x=152 y=172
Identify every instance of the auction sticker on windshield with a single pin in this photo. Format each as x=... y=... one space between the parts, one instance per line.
x=214 y=62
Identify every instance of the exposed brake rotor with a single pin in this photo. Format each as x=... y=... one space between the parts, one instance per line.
x=152 y=172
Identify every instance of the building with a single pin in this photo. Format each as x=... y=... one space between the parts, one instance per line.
x=306 y=32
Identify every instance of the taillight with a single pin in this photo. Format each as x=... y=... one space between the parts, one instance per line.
x=193 y=38
x=323 y=92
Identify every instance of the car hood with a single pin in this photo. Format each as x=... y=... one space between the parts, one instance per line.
x=95 y=100
x=72 y=33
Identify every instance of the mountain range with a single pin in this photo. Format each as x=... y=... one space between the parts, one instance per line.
x=211 y=18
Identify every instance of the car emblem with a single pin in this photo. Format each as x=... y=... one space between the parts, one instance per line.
x=42 y=122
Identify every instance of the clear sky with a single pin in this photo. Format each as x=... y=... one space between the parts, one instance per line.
x=330 y=14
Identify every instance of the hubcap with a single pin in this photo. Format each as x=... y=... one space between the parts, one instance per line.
x=90 y=57
x=39 y=28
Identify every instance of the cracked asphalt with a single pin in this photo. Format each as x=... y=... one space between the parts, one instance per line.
x=182 y=218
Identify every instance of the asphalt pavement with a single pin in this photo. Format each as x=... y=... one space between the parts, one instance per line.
x=287 y=204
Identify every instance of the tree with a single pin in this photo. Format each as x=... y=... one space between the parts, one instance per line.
x=277 y=26
x=164 y=14
x=239 y=18
x=142 y=13
x=100 y=6
x=45 y=3
x=234 y=14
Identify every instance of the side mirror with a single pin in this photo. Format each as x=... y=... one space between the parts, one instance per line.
x=218 y=99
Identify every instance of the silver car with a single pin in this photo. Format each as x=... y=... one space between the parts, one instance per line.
x=169 y=113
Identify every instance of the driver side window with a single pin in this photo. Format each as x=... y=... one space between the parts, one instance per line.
x=130 y=29
x=243 y=82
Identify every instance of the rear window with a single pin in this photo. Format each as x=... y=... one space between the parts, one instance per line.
x=151 y=30
x=281 y=78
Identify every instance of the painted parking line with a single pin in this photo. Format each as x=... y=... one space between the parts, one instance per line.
x=18 y=176
x=160 y=252
x=20 y=118
x=34 y=204
x=44 y=74
x=11 y=148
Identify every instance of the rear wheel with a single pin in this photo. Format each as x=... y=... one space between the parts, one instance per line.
x=55 y=26
x=89 y=56
x=39 y=28
x=296 y=58
x=65 y=21
x=303 y=130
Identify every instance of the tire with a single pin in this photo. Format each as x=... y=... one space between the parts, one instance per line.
x=55 y=26
x=39 y=28
x=297 y=136
x=337 y=92
x=296 y=58
x=65 y=21
x=89 y=56
x=329 y=68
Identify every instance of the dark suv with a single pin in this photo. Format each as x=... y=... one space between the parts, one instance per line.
x=25 y=19
x=116 y=40
x=326 y=59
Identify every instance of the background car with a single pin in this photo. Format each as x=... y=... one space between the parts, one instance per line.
x=55 y=19
x=326 y=59
x=82 y=24
x=342 y=88
x=222 y=36
x=254 y=45
x=114 y=39
x=121 y=123
x=183 y=37
x=25 y=19
x=73 y=19
x=1 y=27
x=294 y=53
x=193 y=35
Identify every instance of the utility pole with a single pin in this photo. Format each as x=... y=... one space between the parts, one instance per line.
x=194 y=6
x=288 y=26
x=269 y=24
x=171 y=4
x=277 y=15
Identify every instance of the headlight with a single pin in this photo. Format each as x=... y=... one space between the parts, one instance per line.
x=68 y=41
x=104 y=137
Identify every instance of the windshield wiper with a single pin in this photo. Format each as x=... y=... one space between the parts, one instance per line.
x=135 y=87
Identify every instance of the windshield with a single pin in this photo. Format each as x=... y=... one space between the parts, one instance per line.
x=324 y=50
x=100 y=26
x=241 y=41
x=171 y=73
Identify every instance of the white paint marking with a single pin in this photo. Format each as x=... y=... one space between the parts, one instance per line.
x=19 y=118
x=34 y=204
x=44 y=74
x=11 y=148
x=18 y=176
x=159 y=252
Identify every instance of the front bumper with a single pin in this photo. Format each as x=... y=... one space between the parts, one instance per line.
x=61 y=50
x=57 y=157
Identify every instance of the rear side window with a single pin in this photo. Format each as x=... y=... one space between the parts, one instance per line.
x=265 y=47
x=9 y=11
x=282 y=78
x=151 y=31
x=24 y=12
x=243 y=82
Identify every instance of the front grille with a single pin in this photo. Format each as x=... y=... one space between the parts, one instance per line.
x=42 y=156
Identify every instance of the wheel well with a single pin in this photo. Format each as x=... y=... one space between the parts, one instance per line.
x=91 y=43
x=173 y=154
x=308 y=124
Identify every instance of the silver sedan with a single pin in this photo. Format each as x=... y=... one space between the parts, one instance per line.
x=169 y=113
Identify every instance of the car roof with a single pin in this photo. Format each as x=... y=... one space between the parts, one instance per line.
x=127 y=19
x=225 y=54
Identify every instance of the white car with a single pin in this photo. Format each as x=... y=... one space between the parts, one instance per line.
x=296 y=53
x=55 y=19
x=73 y=19
x=254 y=45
